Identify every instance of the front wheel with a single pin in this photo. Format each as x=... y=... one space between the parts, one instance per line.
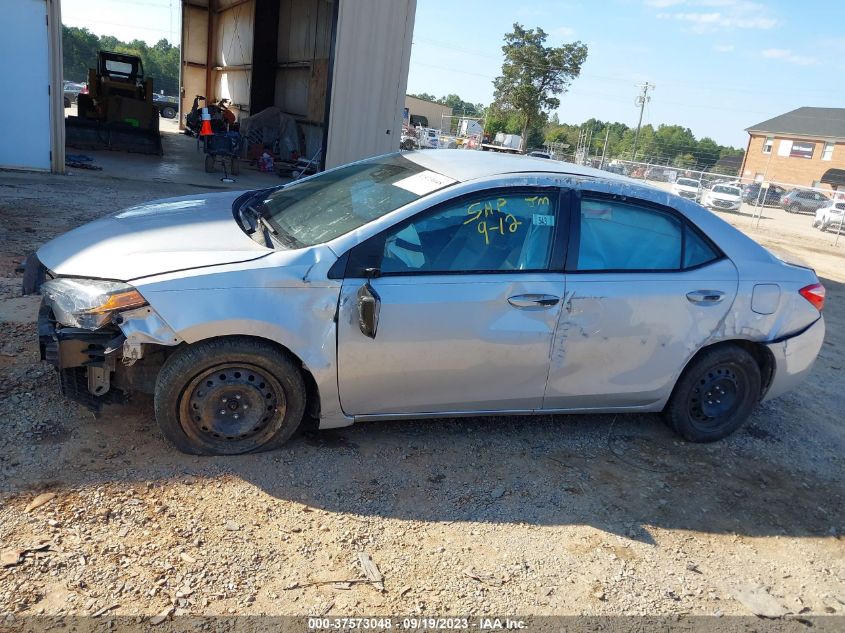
x=229 y=396
x=715 y=394
x=168 y=113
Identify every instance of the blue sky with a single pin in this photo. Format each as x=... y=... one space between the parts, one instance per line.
x=719 y=65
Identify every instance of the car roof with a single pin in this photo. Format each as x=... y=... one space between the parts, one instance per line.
x=464 y=165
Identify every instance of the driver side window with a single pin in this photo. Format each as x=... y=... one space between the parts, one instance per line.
x=492 y=233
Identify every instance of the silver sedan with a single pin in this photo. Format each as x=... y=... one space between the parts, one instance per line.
x=427 y=284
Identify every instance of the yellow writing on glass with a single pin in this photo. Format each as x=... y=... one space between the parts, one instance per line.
x=494 y=218
x=538 y=201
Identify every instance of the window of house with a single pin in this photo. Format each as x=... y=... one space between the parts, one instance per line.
x=827 y=152
x=504 y=232
x=802 y=149
x=767 y=145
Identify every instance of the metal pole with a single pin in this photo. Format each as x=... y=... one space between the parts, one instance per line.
x=640 y=101
x=604 y=149
x=759 y=193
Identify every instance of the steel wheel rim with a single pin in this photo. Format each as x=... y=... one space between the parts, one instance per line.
x=233 y=404
x=715 y=397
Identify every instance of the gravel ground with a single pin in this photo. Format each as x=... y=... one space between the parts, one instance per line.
x=551 y=515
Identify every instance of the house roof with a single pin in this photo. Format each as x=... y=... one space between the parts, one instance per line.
x=814 y=122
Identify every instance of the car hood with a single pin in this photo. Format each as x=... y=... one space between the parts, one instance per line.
x=153 y=238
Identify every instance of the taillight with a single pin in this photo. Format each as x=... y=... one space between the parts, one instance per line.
x=814 y=294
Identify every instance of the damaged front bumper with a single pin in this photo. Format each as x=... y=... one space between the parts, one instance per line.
x=86 y=360
x=100 y=365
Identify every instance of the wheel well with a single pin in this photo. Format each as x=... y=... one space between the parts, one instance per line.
x=312 y=392
x=758 y=351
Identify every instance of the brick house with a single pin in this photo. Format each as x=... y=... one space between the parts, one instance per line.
x=804 y=147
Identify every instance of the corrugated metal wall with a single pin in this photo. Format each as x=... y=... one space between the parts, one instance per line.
x=194 y=51
x=372 y=54
x=233 y=43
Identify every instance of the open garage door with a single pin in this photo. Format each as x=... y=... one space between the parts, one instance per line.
x=337 y=68
x=30 y=64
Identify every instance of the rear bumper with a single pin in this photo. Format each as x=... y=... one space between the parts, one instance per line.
x=794 y=358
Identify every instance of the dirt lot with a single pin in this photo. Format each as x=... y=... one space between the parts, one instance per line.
x=554 y=515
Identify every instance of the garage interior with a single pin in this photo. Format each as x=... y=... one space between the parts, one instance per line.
x=263 y=53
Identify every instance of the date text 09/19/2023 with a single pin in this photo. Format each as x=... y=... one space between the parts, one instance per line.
x=415 y=623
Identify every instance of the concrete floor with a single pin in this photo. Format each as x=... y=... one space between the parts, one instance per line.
x=182 y=163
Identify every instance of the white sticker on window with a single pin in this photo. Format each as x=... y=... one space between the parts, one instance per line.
x=424 y=182
x=543 y=220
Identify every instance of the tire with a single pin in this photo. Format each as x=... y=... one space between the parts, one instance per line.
x=259 y=390
x=793 y=208
x=168 y=112
x=696 y=411
x=209 y=163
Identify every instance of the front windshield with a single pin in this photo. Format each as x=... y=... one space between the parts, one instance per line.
x=732 y=191
x=687 y=182
x=336 y=202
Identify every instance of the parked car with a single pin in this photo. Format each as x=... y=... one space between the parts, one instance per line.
x=687 y=188
x=539 y=154
x=417 y=285
x=830 y=216
x=660 y=174
x=751 y=194
x=723 y=198
x=72 y=90
x=168 y=107
x=803 y=201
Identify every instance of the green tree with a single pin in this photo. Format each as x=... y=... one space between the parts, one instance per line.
x=80 y=47
x=425 y=97
x=533 y=75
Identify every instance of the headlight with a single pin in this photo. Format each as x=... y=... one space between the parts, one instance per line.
x=88 y=303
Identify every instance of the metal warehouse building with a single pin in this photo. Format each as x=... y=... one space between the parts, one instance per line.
x=339 y=68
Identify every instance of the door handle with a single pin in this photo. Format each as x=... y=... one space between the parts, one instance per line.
x=705 y=297
x=533 y=301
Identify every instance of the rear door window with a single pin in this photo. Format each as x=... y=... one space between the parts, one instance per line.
x=616 y=235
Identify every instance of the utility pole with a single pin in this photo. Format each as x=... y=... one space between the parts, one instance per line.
x=640 y=101
x=604 y=149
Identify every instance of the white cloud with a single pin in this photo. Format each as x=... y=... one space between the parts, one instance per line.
x=723 y=48
x=784 y=54
x=725 y=15
x=563 y=31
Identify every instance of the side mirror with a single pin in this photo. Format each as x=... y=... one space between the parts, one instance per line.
x=369 y=304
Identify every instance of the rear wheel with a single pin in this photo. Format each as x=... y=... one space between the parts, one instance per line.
x=168 y=113
x=793 y=208
x=715 y=394
x=229 y=396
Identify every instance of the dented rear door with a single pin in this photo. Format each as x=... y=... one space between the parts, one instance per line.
x=626 y=332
